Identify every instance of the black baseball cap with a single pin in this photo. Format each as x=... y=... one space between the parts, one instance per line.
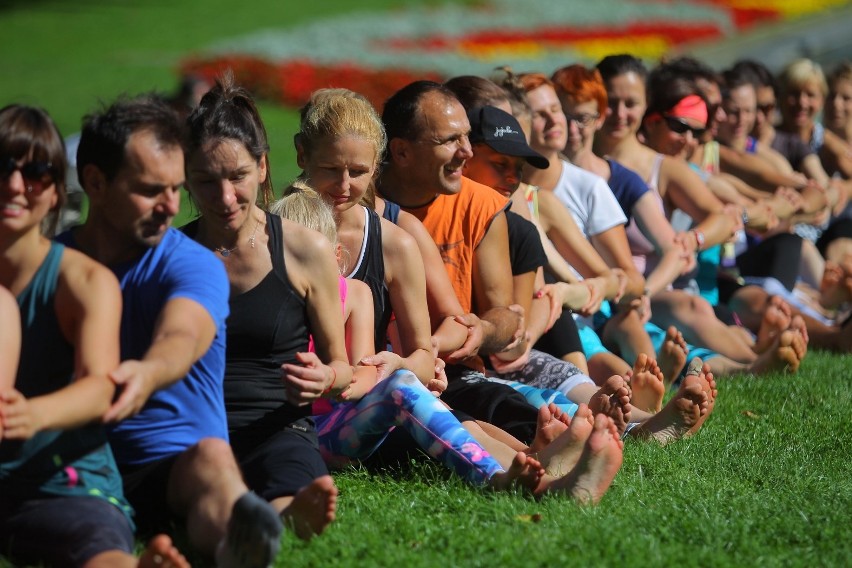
x=501 y=132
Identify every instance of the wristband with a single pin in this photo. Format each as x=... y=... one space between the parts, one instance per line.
x=334 y=380
x=699 y=239
x=745 y=217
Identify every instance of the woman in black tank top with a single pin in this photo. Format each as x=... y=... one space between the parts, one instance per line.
x=283 y=288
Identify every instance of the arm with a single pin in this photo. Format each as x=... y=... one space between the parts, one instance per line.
x=685 y=190
x=182 y=334
x=838 y=153
x=674 y=261
x=88 y=307
x=312 y=268
x=359 y=339
x=492 y=287
x=406 y=281
x=756 y=171
x=454 y=338
x=10 y=341
x=613 y=248
x=570 y=242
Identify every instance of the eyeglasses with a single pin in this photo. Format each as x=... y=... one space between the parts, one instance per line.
x=37 y=175
x=582 y=120
x=680 y=126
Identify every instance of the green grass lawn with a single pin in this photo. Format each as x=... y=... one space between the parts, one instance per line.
x=766 y=482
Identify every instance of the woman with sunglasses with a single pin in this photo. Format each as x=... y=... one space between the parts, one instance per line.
x=61 y=499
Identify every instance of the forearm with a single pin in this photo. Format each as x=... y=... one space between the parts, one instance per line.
x=363 y=381
x=499 y=326
x=421 y=362
x=667 y=270
x=449 y=336
x=716 y=228
x=80 y=403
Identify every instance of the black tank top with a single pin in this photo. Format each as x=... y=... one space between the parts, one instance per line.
x=267 y=326
x=370 y=269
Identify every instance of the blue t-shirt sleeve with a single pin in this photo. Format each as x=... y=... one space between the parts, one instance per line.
x=196 y=274
x=627 y=187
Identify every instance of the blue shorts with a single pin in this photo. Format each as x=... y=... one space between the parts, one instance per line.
x=589 y=338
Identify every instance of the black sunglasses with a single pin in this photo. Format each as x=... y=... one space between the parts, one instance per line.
x=680 y=126
x=37 y=175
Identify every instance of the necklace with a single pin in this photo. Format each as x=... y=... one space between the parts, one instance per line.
x=226 y=252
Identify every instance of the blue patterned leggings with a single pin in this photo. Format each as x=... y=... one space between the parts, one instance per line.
x=354 y=430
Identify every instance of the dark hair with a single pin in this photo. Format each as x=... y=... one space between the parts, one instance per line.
x=401 y=113
x=621 y=64
x=473 y=91
x=105 y=134
x=759 y=73
x=735 y=78
x=690 y=68
x=228 y=112
x=664 y=92
x=29 y=131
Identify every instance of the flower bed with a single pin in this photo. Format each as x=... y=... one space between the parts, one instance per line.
x=377 y=53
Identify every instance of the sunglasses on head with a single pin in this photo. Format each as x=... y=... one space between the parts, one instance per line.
x=37 y=175
x=680 y=126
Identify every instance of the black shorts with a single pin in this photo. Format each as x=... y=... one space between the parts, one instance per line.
x=62 y=531
x=562 y=339
x=279 y=463
x=146 y=487
x=470 y=392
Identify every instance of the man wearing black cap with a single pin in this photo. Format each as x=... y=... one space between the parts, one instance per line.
x=500 y=150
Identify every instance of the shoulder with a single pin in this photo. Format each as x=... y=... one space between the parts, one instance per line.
x=396 y=240
x=302 y=243
x=83 y=280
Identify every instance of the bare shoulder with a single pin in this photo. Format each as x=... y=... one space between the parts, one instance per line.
x=358 y=294
x=302 y=243
x=397 y=241
x=82 y=277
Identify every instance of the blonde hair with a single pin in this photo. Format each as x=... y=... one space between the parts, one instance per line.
x=334 y=113
x=799 y=72
x=302 y=204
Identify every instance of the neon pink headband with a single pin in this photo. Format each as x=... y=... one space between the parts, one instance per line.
x=691 y=106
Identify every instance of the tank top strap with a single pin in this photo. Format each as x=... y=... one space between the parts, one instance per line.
x=276 y=245
x=42 y=287
x=391 y=212
x=654 y=179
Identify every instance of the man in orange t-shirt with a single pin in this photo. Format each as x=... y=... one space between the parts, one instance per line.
x=428 y=145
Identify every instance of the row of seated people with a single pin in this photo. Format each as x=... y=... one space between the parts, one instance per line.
x=214 y=374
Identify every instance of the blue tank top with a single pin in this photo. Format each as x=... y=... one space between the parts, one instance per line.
x=67 y=463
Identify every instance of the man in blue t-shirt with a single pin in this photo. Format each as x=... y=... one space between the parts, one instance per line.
x=169 y=429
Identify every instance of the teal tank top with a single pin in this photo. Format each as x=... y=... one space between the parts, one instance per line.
x=65 y=463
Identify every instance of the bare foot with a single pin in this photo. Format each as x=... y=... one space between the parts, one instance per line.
x=785 y=354
x=564 y=452
x=525 y=472
x=551 y=422
x=647 y=385
x=776 y=318
x=613 y=399
x=672 y=356
x=599 y=463
x=313 y=508
x=253 y=537
x=702 y=371
x=679 y=416
x=161 y=553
